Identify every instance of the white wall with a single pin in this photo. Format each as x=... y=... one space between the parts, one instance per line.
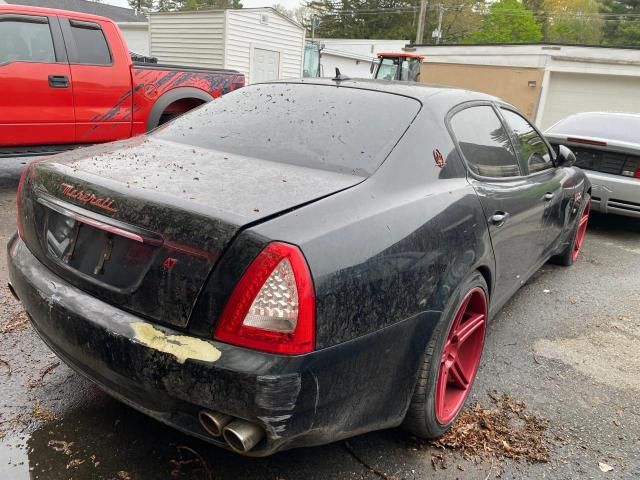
x=366 y=48
x=263 y=28
x=350 y=67
x=188 y=38
x=136 y=34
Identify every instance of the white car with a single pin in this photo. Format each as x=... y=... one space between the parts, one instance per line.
x=607 y=148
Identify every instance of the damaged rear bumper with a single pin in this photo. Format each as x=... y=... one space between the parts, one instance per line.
x=327 y=395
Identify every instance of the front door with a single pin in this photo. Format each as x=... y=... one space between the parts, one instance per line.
x=510 y=202
x=35 y=83
x=265 y=65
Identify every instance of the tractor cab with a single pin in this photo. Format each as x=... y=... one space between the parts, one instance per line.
x=397 y=66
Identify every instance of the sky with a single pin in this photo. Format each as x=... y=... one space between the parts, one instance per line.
x=245 y=3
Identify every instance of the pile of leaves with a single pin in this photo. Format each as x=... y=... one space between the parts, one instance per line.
x=12 y=315
x=506 y=430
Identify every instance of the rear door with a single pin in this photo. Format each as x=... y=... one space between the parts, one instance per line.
x=545 y=180
x=101 y=77
x=510 y=202
x=36 y=106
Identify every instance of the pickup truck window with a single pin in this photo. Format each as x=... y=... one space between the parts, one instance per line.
x=25 y=41
x=92 y=46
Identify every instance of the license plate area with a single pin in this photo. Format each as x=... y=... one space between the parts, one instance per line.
x=97 y=251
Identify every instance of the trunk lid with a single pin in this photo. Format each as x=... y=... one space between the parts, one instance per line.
x=141 y=223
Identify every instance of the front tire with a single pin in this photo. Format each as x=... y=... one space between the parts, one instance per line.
x=451 y=361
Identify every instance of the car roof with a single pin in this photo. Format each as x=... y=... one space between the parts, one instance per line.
x=7 y=8
x=420 y=91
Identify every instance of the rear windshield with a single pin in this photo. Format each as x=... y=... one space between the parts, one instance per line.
x=332 y=128
x=615 y=127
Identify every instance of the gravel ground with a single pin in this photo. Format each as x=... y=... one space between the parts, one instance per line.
x=566 y=345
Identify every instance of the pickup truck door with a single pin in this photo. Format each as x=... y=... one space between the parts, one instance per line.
x=101 y=75
x=37 y=97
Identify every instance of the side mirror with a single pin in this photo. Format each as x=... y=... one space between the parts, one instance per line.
x=565 y=158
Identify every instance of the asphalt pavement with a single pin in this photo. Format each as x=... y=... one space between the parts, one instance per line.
x=566 y=345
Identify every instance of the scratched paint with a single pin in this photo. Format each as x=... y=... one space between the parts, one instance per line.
x=180 y=346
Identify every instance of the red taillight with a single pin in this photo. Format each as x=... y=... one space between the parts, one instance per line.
x=637 y=173
x=18 y=201
x=272 y=308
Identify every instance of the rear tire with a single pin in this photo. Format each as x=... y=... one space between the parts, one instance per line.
x=570 y=254
x=433 y=410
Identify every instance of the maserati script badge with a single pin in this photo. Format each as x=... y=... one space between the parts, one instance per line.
x=87 y=197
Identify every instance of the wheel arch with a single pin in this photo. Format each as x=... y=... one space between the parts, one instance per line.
x=172 y=96
x=485 y=271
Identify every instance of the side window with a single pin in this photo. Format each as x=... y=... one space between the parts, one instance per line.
x=91 y=46
x=24 y=41
x=387 y=69
x=484 y=142
x=531 y=147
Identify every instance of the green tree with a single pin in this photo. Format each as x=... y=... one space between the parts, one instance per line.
x=141 y=6
x=621 y=29
x=378 y=19
x=301 y=14
x=573 y=22
x=540 y=14
x=507 y=21
x=206 y=4
x=166 y=6
x=460 y=18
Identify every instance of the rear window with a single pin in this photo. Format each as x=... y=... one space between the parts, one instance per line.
x=616 y=127
x=332 y=128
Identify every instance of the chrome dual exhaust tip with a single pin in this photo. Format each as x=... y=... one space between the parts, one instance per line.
x=214 y=422
x=242 y=436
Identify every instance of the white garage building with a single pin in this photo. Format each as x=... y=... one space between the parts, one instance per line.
x=259 y=42
x=546 y=81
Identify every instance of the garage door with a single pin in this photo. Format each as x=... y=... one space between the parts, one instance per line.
x=266 y=65
x=577 y=92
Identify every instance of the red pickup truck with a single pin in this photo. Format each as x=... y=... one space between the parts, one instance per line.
x=67 y=78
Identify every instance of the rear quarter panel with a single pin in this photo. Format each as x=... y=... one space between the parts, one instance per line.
x=395 y=246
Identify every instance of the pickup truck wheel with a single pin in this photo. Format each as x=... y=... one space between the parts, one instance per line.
x=178 y=108
x=173 y=103
x=451 y=361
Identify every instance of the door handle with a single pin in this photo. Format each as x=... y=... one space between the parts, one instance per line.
x=58 y=81
x=499 y=218
x=548 y=196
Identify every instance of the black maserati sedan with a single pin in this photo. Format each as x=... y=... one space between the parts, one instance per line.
x=296 y=262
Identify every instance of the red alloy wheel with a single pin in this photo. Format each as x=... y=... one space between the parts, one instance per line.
x=461 y=355
x=582 y=230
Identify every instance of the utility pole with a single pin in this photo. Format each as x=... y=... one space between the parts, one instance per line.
x=439 y=25
x=423 y=13
x=315 y=23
